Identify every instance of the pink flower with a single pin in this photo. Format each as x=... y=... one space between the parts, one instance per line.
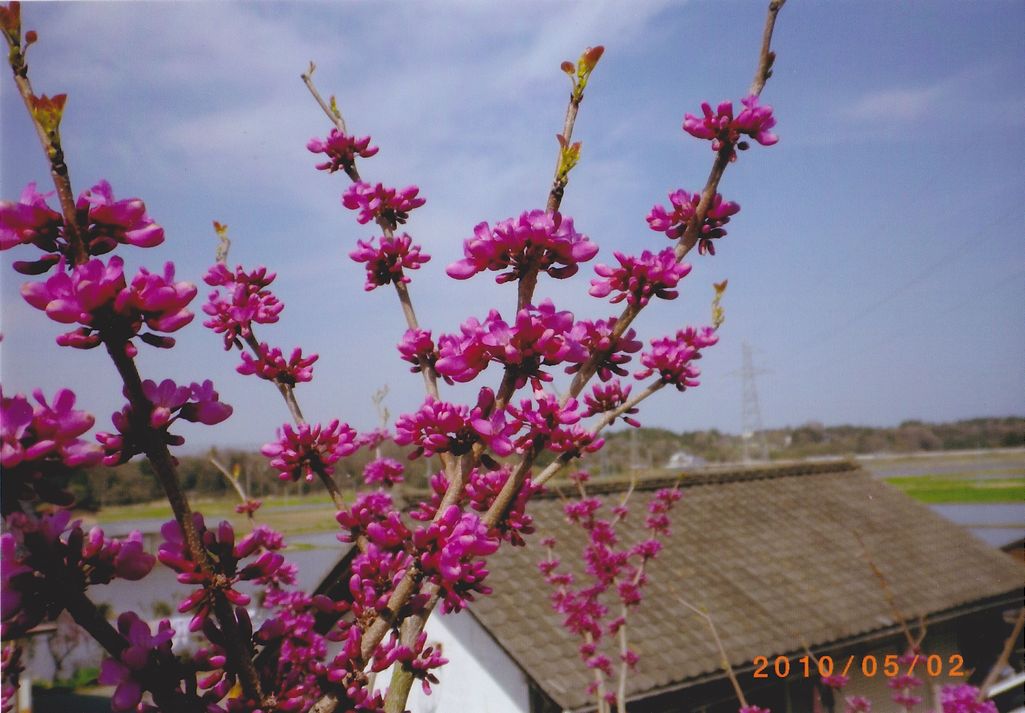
x=437 y=427
x=385 y=263
x=386 y=471
x=198 y=403
x=672 y=357
x=107 y=223
x=753 y=709
x=596 y=338
x=535 y=241
x=417 y=348
x=270 y=364
x=836 y=681
x=964 y=699
x=857 y=704
x=638 y=279
x=449 y=553
x=723 y=129
x=341 y=150
x=125 y=671
x=307 y=449
x=556 y=425
x=253 y=558
x=110 y=222
x=247 y=301
x=40 y=446
x=683 y=207
x=157 y=299
x=609 y=397
x=377 y=202
x=30 y=220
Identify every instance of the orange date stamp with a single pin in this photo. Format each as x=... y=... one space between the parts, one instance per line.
x=869 y=666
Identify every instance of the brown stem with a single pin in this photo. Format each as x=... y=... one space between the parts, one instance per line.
x=891 y=600
x=55 y=157
x=398 y=691
x=240 y=652
x=623 y=648
x=233 y=481
x=722 y=650
x=766 y=57
x=1005 y=655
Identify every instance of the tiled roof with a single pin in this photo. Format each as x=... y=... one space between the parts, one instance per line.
x=772 y=555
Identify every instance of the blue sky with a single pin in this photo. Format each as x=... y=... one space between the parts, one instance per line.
x=877 y=266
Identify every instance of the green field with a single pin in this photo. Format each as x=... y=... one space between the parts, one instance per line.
x=959 y=488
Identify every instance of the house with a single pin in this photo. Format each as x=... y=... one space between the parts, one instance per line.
x=775 y=556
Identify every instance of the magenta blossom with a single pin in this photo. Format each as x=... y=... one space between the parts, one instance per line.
x=247 y=300
x=96 y=296
x=753 y=709
x=270 y=364
x=684 y=206
x=964 y=699
x=638 y=279
x=386 y=262
x=417 y=348
x=386 y=471
x=722 y=129
x=672 y=357
x=536 y=241
x=253 y=558
x=107 y=222
x=308 y=449
x=341 y=150
x=544 y=419
x=857 y=704
x=40 y=447
x=380 y=203
x=111 y=221
x=609 y=397
x=449 y=553
x=596 y=338
x=198 y=403
x=144 y=649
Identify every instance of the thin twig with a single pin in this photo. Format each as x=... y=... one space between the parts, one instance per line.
x=722 y=650
x=1005 y=656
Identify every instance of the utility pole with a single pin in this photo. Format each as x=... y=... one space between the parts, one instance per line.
x=752 y=438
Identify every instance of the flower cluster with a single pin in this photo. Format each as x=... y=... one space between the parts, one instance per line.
x=449 y=550
x=107 y=223
x=39 y=443
x=417 y=347
x=612 y=569
x=46 y=559
x=167 y=402
x=420 y=660
x=341 y=150
x=266 y=567
x=388 y=205
x=638 y=279
x=383 y=471
x=270 y=364
x=536 y=241
x=482 y=487
x=672 y=357
x=557 y=425
x=903 y=684
x=143 y=651
x=247 y=300
x=96 y=296
x=442 y=427
x=385 y=262
x=307 y=449
x=964 y=699
x=609 y=397
x=725 y=130
x=683 y=207
x=612 y=352
x=540 y=336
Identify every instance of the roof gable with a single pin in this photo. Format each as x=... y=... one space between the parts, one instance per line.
x=771 y=554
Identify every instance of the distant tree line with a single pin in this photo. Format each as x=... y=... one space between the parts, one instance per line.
x=134 y=482
x=654 y=447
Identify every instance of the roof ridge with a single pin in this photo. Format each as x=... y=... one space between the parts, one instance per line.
x=713 y=475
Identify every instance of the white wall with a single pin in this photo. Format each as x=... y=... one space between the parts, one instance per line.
x=479 y=677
